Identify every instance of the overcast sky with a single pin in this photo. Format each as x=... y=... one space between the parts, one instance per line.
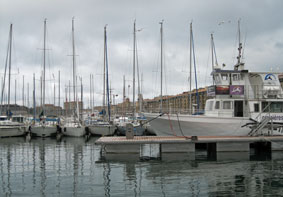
x=261 y=27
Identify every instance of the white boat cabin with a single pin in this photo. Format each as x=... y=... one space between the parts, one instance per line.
x=239 y=93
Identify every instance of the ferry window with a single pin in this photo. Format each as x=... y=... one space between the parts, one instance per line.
x=209 y=105
x=236 y=77
x=217 y=105
x=256 y=107
x=224 y=77
x=275 y=107
x=3 y=118
x=217 y=79
x=226 y=104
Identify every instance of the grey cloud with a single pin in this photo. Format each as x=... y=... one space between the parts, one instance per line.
x=261 y=26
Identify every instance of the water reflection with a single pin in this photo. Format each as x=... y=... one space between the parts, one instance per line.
x=72 y=167
x=106 y=178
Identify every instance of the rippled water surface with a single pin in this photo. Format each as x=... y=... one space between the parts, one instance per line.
x=73 y=167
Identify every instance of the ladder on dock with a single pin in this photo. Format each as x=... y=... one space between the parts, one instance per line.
x=257 y=129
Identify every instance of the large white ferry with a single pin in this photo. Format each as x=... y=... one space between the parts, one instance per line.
x=243 y=103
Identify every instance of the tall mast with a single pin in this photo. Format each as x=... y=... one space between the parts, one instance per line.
x=77 y=101
x=92 y=81
x=194 y=59
x=69 y=89
x=82 y=97
x=44 y=59
x=54 y=94
x=239 y=64
x=90 y=94
x=138 y=73
x=59 y=93
x=66 y=99
x=124 y=94
x=41 y=91
x=74 y=60
x=23 y=90
x=104 y=67
x=161 y=65
x=191 y=32
x=124 y=89
x=213 y=55
x=33 y=98
x=134 y=67
x=28 y=96
x=10 y=63
x=240 y=44
x=4 y=78
x=76 y=107
x=212 y=58
x=15 y=92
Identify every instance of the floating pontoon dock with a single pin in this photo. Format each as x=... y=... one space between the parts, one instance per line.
x=188 y=144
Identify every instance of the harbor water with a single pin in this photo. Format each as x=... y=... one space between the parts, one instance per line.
x=73 y=167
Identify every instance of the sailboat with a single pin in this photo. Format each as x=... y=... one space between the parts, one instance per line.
x=104 y=126
x=244 y=104
x=8 y=127
x=73 y=126
x=138 y=127
x=44 y=128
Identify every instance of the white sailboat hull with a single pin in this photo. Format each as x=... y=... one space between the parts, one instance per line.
x=102 y=130
x=44 y=131
x=74 y=131
x=190 y=125
x=6 y=131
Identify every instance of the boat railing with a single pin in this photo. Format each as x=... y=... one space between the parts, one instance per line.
x=177 y=110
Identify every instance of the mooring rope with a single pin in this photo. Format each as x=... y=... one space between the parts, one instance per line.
x=171 y=126
x=180 y=126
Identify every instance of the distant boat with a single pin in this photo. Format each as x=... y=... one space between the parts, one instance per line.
x=10 y=127
x=73 y=126
x=139 y=128
x=104 y=126
x=44 y=128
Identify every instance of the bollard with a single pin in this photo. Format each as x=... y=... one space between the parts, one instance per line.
x=194 y=138
x=129 y=131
